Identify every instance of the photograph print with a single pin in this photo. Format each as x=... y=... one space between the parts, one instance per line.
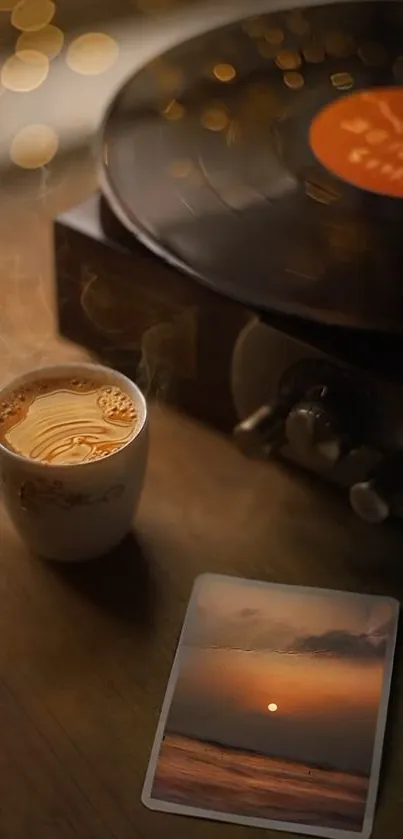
x=275 y=711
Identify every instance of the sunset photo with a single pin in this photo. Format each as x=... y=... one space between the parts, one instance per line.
x=274 y=703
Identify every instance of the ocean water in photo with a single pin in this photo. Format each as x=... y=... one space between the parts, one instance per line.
x=225 y=780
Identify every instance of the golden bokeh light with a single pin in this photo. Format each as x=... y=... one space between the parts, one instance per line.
x=294 y=80
x=48 y=41
x=288 y=60
x=32 y=15
x=215 y=119
x=25 y=71
x=181 y=169
x=34 y=146
x=342 y=81
x=272 y=707
x=8 y=5
x=274 y=36
x=224 y=72
x=174 y=111
x=92 y=54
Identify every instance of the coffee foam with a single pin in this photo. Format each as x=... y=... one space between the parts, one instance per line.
x=67 y=421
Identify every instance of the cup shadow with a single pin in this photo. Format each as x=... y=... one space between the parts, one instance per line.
x=120 y=583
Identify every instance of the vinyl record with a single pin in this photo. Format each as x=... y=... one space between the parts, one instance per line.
x=266 y=159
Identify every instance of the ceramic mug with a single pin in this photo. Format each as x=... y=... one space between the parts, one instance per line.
x=76 y=512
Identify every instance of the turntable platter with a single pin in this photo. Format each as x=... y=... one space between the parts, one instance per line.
x=266 y=159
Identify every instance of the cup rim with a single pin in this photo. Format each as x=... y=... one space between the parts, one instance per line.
x=74 y=368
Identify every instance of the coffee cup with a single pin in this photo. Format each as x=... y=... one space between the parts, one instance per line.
x=75 y=511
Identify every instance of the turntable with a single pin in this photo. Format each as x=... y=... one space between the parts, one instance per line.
x=243 y=257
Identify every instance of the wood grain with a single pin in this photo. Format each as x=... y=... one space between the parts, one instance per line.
x=85 y=651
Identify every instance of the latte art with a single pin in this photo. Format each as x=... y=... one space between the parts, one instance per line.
x=67 y=422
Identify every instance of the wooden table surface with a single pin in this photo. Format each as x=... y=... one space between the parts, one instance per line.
x=85 y=651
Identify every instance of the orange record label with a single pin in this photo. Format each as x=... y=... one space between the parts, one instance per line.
x=360 y=138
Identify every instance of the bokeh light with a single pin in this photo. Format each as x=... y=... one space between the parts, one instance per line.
x=215 y=119
x=224 y=72
x=181 y=169
x=92 y=54
x=274 y=36
x=174 y=111
x=25 y=71
x=32 y=15
x=294 y=80
x=48 y=41
x=34 y=146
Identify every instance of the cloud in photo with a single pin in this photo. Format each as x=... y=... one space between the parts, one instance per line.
x=341 y=643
